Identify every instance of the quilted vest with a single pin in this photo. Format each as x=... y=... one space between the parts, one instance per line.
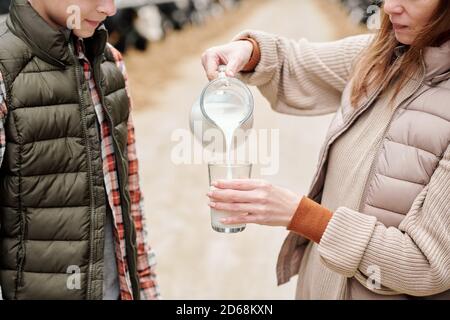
x=414 y=142
x=53 y=204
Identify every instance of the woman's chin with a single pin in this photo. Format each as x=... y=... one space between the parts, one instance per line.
x=404 y=38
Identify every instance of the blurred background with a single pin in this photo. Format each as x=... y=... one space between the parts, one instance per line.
x=162 y=42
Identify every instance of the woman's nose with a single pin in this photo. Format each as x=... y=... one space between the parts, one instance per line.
x=107 y=7
x=393 y=7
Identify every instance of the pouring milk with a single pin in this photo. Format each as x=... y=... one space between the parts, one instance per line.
x=228 y=104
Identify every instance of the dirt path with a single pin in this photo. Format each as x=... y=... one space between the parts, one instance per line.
x=195 y=262
x=151 y=71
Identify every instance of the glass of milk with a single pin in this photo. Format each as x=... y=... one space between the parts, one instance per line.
x=226 y=171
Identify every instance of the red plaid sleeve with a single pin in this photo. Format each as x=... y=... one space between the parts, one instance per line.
x=146 y=257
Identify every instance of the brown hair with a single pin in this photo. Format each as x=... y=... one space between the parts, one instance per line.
x=376 y=61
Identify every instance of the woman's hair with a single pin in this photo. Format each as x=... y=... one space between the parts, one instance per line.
x=376 y=60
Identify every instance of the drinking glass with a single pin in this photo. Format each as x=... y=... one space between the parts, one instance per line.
x=225 y=171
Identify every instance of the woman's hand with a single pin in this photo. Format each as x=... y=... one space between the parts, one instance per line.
x=254 y=201
x=235 y=55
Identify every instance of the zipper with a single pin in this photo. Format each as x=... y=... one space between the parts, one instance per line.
x=89 y=169
x=22 y=250
x=345 y=127
x=118 y=156
x=372 y=166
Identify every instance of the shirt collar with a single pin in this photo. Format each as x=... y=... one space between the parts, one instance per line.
x=80 y=49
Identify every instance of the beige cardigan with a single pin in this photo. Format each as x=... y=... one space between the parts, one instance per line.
x=307 y=79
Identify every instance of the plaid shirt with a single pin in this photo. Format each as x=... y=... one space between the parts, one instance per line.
x=146 y=257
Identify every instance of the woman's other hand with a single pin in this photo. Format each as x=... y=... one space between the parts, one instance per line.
x=254 y=201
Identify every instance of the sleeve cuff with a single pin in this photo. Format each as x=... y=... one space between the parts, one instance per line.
x=268 y=62
x=310 y=220
x=345 y=240
x=255 y=57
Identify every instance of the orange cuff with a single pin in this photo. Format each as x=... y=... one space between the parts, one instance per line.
x=310 y=220
x=255 y=58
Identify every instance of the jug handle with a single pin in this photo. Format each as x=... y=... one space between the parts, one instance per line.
x=222 y=71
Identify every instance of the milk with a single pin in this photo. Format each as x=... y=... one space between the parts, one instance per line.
x=227 y=117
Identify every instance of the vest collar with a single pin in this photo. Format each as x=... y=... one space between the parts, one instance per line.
x=436 y=60
x=46 y=42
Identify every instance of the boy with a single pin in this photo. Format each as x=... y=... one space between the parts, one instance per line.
x=71 y=219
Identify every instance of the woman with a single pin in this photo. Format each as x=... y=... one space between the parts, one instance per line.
x=375 y=222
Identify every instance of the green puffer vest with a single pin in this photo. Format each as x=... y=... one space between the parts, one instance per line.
x=52 y=203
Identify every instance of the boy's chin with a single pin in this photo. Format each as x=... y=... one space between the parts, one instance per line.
x=83 y=33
